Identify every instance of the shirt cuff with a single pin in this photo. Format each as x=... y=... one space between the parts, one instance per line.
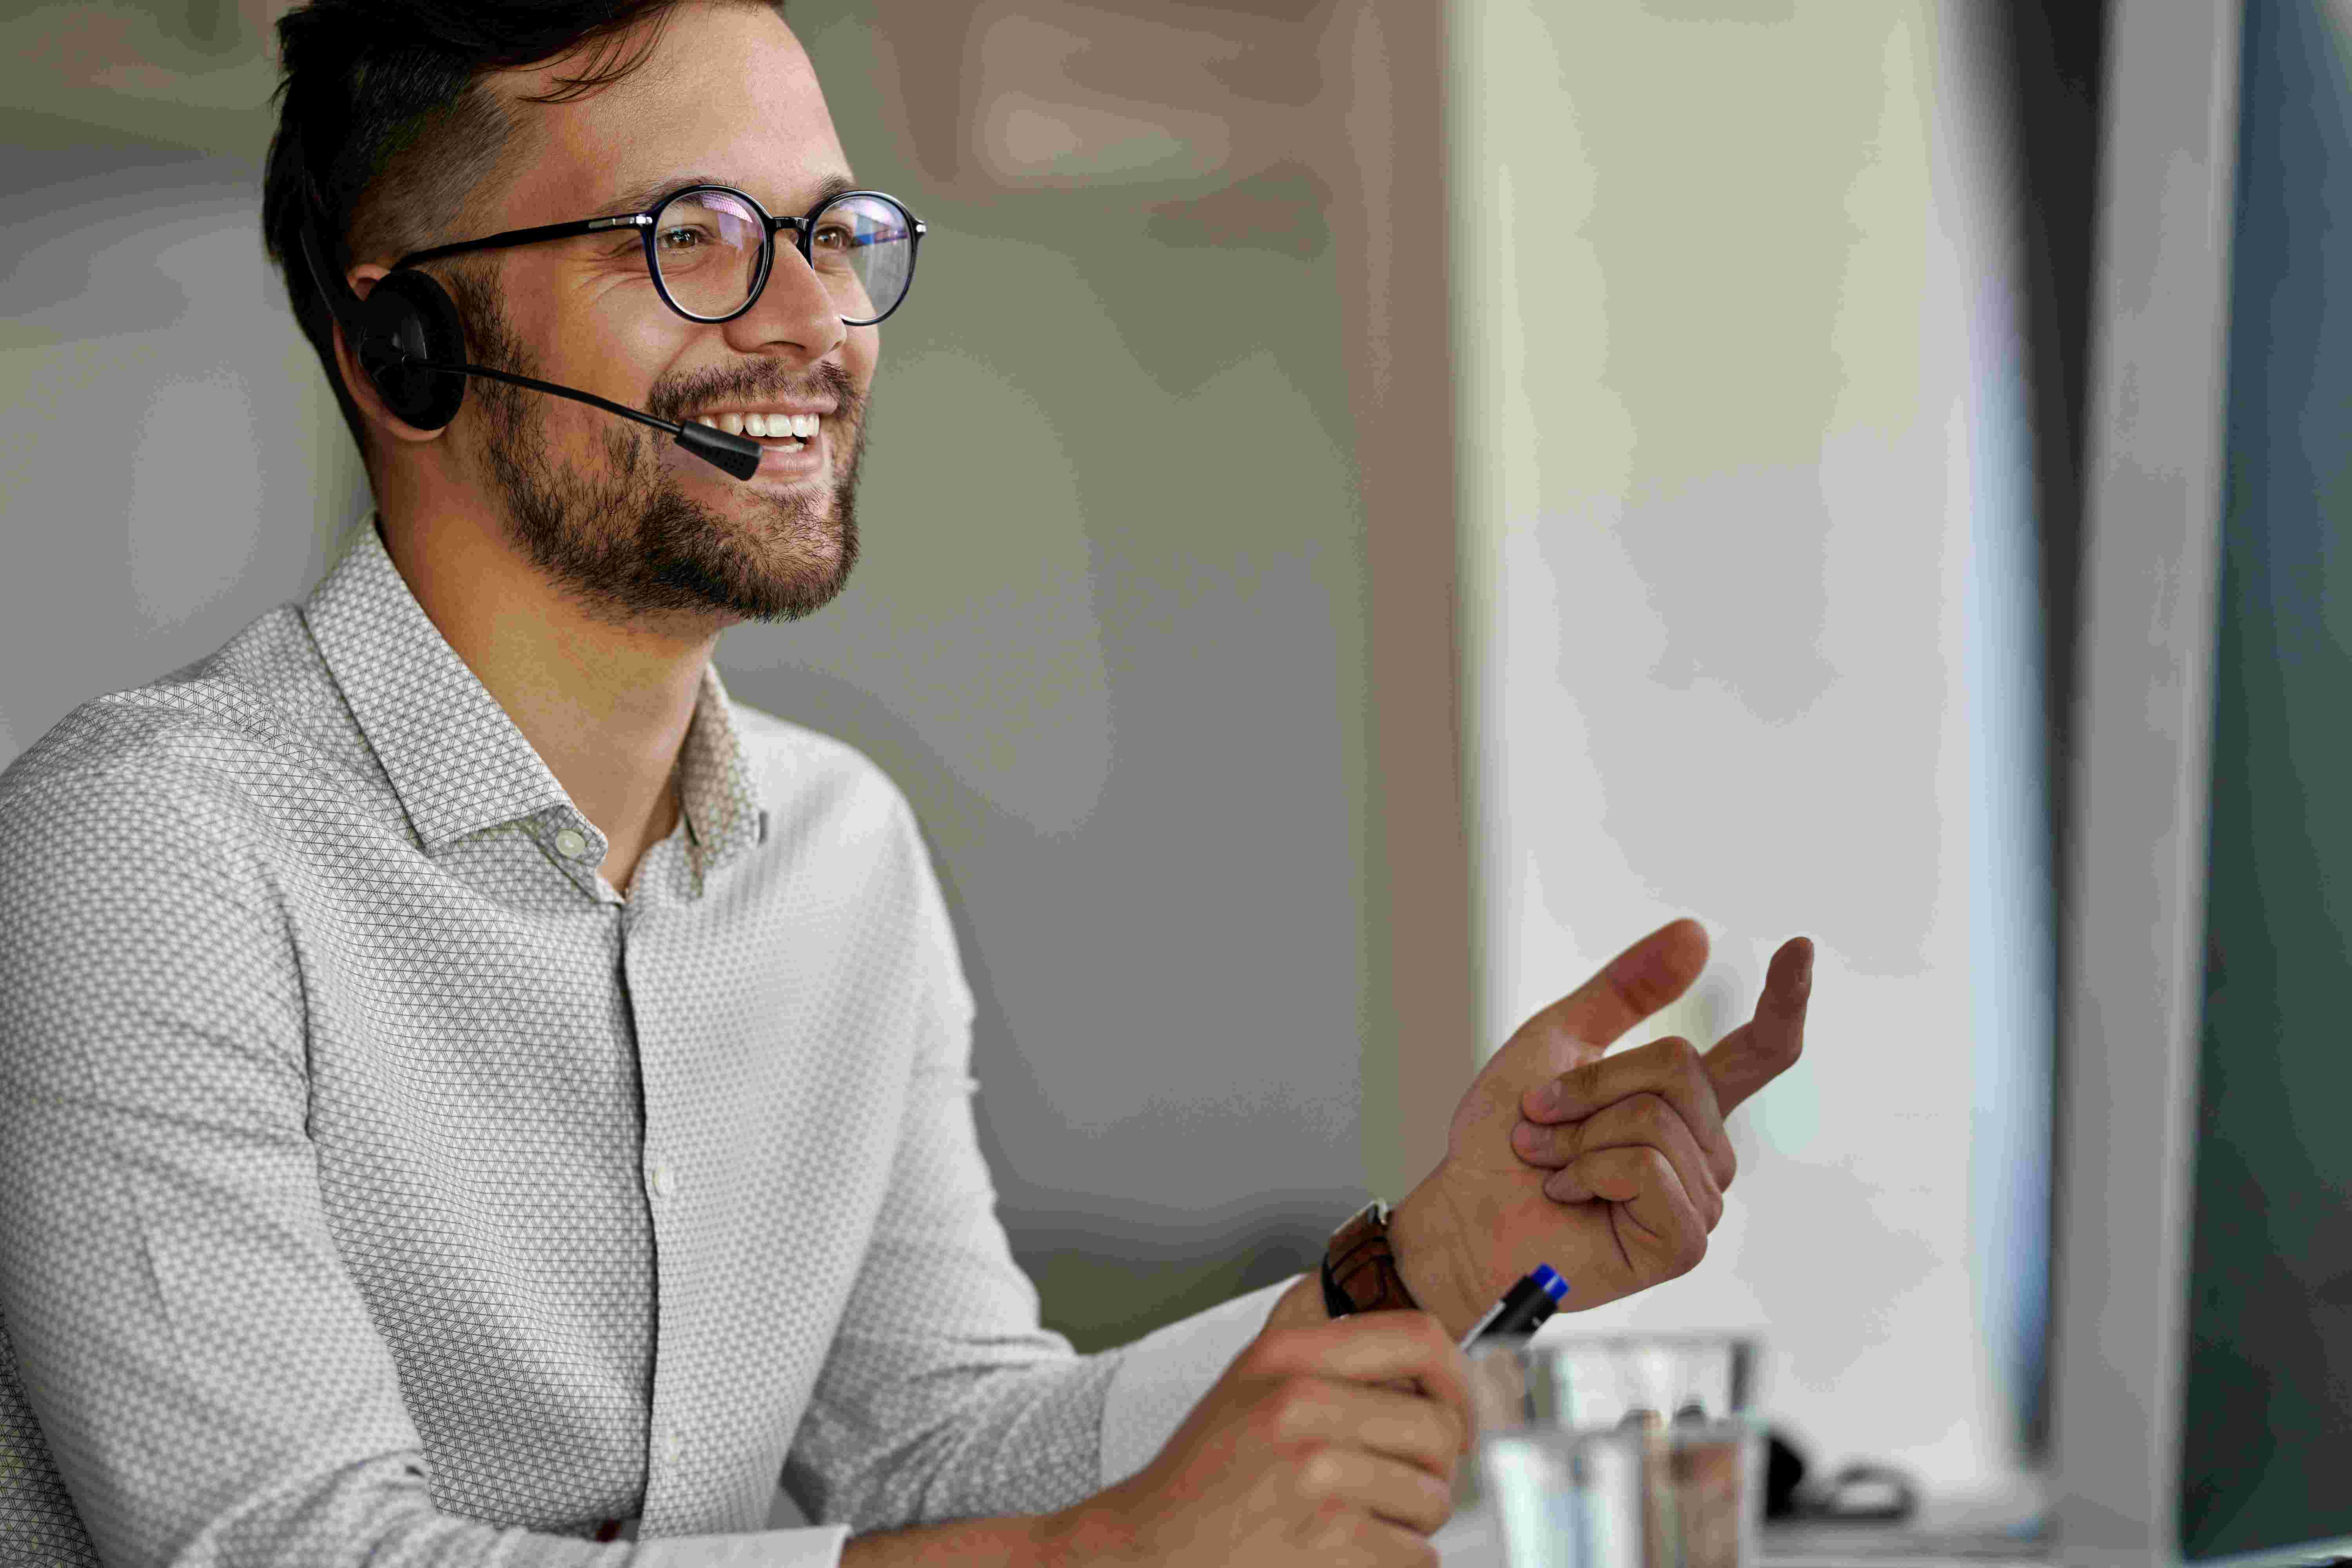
x=1163 y=1375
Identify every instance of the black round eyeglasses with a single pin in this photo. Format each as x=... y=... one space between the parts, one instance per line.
x=710 y=248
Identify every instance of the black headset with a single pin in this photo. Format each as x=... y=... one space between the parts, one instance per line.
x=411 y=345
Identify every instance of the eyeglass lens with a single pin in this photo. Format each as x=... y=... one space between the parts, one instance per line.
x=706 y=245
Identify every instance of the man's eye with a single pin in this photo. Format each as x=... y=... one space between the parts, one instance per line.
x=678 y=238
x=832 y=236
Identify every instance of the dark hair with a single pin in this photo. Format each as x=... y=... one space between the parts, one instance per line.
x=384 y=127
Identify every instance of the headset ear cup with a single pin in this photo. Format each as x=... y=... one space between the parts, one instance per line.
x=407 y=317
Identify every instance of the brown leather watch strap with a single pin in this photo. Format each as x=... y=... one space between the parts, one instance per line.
x=1359 y=1267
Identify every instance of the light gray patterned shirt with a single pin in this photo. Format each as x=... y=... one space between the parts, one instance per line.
x=377 y=1185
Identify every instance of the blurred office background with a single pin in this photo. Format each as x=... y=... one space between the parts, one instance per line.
x=1372 y=507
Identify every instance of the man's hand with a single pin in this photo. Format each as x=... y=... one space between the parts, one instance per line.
x=1610 y=1168
x=1297 y=1455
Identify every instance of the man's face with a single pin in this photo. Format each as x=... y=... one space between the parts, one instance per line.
x=613 y=511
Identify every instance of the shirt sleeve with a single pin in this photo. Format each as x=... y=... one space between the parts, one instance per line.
x=1163 y=1375
x=202 y=1368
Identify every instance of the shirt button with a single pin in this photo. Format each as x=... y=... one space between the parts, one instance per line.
x=571 y=843
x=673 y=1445
x=662 y=1181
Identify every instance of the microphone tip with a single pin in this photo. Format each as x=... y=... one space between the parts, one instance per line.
x=737 y=454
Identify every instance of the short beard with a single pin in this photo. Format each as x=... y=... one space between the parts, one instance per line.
x=625 y=541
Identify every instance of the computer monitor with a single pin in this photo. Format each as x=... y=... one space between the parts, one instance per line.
x=2202 y=1354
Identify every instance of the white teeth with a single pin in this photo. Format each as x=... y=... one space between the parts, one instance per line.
x=767 y=427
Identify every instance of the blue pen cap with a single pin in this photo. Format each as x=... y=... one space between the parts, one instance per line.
x=1548 y=1281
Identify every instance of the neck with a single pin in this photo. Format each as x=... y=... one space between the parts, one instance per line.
x=605 y=706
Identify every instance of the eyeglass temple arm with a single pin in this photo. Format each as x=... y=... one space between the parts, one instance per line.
x=515 y=237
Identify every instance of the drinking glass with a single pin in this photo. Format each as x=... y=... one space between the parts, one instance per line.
x=1621 y=1451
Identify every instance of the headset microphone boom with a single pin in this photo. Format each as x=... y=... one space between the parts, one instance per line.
x=411 y=345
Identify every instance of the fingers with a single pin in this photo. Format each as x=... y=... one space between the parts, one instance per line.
x=1358 y=1541
x=1386 y=1545
x=1373 y=1484
x=1406 y=1427
x=1374 y=1347
x=1671 y=1070
x=1638 y=1122
x=1658 y=1227
x=1361 y=1447
x=1635 y=985
x=1760 y=1050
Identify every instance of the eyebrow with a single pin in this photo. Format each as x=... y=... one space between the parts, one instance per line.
x=637 y=198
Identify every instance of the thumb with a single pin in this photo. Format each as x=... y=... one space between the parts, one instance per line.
x=1630 y=986
x=1540 y=1051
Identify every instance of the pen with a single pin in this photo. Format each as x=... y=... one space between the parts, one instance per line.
x=1523 y=1309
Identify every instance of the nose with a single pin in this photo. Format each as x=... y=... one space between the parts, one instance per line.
x=795 y=316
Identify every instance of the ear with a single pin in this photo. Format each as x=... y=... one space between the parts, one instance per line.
x=363 y=278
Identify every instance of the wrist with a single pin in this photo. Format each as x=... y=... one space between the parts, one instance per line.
x=1092 y=1531
x=1300 y=1307
x=1425 y=1237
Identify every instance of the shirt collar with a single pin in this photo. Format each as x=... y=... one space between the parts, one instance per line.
x=455 y=761
x=716 y=782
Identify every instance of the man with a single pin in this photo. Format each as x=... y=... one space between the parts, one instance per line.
x=468 y=1090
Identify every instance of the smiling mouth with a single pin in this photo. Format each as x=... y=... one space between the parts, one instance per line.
x=778 y=429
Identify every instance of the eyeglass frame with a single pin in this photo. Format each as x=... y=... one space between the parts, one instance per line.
x=803 y=229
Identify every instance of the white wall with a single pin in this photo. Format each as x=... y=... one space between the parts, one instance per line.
x=1750 y=633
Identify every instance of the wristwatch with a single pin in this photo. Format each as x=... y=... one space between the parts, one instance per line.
x=1359 y=1271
